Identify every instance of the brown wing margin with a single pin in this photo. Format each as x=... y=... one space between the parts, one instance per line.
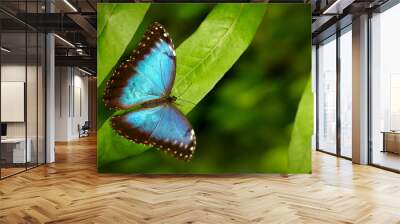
x=125 y=70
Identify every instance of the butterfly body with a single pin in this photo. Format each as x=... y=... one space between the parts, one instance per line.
x=156 y=102
x=145 y=81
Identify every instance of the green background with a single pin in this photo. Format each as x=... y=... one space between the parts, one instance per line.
x=247 y=122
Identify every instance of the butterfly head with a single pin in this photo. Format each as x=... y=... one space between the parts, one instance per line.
x=172 y=99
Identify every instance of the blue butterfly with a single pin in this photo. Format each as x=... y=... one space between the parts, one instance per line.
x=146 y=80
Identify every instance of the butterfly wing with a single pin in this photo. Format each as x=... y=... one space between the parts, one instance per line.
x=147 y=75
x=163 y=127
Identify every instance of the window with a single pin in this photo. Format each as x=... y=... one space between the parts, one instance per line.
x=327 y=95
x=22 y=77
x=385 y=89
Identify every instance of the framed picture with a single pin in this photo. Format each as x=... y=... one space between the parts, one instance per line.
x=204 y=88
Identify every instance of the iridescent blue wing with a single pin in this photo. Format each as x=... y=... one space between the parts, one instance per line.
x=163 y=127
x=147 y=75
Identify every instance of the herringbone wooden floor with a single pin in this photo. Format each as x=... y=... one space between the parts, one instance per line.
x=71 y=191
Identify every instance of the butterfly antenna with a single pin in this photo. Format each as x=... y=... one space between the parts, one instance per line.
x=183 y=93
x=187 y=101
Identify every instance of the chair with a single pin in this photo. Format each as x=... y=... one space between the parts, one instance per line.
x=84 y=130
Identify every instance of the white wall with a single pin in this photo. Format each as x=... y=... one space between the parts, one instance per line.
x=62 y=81
x=80 y=102
x=16 y=73
x=71 y=102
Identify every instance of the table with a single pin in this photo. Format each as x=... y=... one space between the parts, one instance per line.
x=391 y=141
x=19 y=155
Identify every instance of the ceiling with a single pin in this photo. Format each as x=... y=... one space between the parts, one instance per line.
x=332 y=15
x=74 y=22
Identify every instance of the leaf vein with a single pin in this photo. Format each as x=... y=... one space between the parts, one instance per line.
x=216 y=45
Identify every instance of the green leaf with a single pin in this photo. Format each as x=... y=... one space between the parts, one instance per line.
x=111 y=44
x=117 y=24
x=202 y=60
x=215 y=46
x=275 y=160
x=300 y=143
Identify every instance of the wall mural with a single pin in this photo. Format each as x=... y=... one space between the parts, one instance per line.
x=204 y=88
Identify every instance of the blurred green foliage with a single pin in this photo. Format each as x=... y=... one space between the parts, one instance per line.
x=244 y=124
x=299 y=159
